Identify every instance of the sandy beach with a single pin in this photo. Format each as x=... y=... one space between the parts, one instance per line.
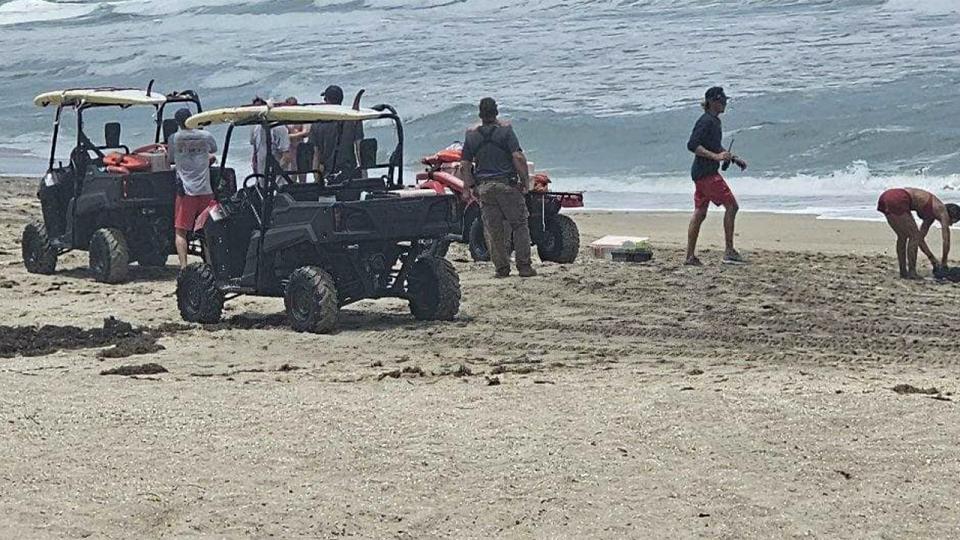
x=598 y=400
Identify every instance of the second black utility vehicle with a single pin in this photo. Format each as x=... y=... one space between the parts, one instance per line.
x=350 y=236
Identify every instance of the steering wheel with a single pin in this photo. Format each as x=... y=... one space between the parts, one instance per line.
x=253 y=181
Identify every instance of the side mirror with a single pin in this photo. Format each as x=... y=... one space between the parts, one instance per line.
x=170 y=127
x=111 y=135
x=368 y=154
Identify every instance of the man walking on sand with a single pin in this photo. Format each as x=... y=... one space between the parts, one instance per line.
x=192 y=152
x=706 y=142
x=494 y=165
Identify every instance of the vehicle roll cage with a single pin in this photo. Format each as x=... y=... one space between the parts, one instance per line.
x=184 y=96
x=393 y=177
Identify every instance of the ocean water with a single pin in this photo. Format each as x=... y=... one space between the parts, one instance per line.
x=832 y=100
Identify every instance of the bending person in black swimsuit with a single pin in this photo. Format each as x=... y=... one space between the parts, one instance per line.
x=896 y=204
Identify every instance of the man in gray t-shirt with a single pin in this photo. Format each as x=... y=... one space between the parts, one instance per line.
x=192 y=152
x=279 y=147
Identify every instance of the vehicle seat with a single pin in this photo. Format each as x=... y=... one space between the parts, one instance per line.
x=368 y=154
x=111 y=138
x=170 y=127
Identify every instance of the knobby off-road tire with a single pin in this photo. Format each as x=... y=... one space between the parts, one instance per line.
x=436 y=247
x=39 y=257
x=109 y=255
x=433 y=288
x=198 y=297
x=561 y=241
x=478 y=242
x=311 y=300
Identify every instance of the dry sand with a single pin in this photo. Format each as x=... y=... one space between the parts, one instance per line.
x=632 y=401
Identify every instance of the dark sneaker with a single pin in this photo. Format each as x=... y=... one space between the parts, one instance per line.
x=526 y=272
x=502 y=274
x=733 y=258
x=693 y=261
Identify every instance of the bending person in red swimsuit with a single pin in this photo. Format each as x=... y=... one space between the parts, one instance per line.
x=896 y=204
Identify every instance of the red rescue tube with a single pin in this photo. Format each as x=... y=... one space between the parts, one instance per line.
x=112 y=160
x=116 y=169
x=129 y=162
x=135 y=163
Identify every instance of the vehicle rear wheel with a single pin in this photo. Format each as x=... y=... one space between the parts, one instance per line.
x=478 y=242
x=109 y=255
x=311 y=300
x=433 y=288
x=39 y=257
x=198 y=297
x=561 y=240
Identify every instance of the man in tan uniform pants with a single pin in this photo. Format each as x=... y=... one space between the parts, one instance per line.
x=496 y=168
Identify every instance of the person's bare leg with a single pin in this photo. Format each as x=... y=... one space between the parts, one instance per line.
x=908 y=227
x=182 y=247
x=693 y=231
x=902 y=255
x=902 y=236
x=729 y=224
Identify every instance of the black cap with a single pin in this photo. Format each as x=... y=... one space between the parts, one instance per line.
x=715 y=94
x=488 y=108
x=333 y=94
x=181 y=115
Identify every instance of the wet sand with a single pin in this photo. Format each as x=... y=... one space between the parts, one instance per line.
x=597 y=400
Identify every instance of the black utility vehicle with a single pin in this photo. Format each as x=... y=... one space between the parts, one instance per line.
x=114 y=202
x=321 y=245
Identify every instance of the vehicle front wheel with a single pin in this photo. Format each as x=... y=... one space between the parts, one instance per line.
x=198 y=297
x=433 y=288
x=435 y=247
x=109 y=255
x=39 y=257
x=561 y=242
x=311 y=300
x=478 y=242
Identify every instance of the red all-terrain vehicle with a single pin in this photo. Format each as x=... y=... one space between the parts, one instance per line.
x=556 y=235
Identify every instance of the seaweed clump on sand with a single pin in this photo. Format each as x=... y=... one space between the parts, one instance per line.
x=126 y=339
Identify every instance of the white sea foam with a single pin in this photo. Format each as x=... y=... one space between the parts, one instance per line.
x=31 y=11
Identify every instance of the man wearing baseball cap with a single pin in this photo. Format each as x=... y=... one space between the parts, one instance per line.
x=495 y=167
x=336 y=144
x=706 y=142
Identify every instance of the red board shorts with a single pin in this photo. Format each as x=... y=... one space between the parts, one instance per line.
x=712 y=189
x=187 y=208
x=895 y=202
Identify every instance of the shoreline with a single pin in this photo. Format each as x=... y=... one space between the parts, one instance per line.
x=607 y=210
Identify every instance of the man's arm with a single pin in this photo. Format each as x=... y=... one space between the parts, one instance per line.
x=466 y=169
x=520 y=164
x=706 y=154
x=695 y=144
x=945 y=231
x=212 y=148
